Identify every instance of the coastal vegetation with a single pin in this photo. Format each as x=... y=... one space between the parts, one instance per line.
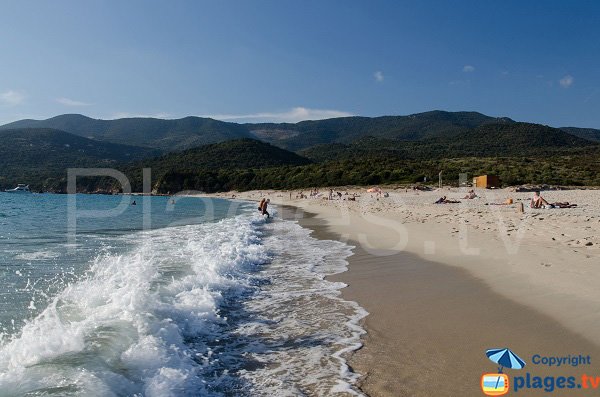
x=574 y=170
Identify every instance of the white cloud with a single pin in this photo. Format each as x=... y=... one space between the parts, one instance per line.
x=468 y=68
x=71 y=102
x=378 y=76
x=127 y=115
x=12 y=97
x=291 y=116
x=566 y=81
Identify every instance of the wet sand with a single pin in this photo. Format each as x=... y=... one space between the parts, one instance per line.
x=429 y=325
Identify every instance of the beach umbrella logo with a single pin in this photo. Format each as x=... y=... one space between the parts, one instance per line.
x=498 y=384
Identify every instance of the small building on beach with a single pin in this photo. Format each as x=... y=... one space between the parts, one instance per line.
x=486 y=181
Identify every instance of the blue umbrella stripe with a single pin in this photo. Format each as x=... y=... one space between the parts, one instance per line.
x=505 y=358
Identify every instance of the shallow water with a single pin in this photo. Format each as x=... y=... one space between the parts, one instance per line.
x=192 y=297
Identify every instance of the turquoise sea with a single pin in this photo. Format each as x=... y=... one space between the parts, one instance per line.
x=177 y=296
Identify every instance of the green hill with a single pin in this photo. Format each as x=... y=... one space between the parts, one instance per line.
x=189 y=132
x=518 y=152
x=513 y=140
x=46 y=147
x=166 y=135
x=414 y=127
x=590 y=134
x=34 y=155
x=173 y=135
x=236 y=154
x=488 y=140
x=196 y=169
x=349 y=150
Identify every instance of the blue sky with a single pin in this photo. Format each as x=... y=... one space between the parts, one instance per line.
x=535 y=61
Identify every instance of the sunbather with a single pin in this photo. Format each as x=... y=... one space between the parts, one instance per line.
x=444 y=200
x=508 y=201
x=470 y=195
x=538 y=201
x=565 y=204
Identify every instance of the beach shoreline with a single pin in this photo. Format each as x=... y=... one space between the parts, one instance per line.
x=429 y=324
x=443 y=283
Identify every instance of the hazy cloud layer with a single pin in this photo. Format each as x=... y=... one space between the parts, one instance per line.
x=71 y=102
x=128 y=115
x=12 y=97
x=291 y=116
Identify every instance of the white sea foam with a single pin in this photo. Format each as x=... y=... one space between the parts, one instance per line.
x=309 y=329
x=237 y=307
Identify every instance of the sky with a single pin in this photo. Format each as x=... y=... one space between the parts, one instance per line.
x=252 y=61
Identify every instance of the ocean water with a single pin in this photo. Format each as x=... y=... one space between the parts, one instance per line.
x=170 y=297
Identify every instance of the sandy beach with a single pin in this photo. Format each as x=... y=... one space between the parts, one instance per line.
x=443 y=283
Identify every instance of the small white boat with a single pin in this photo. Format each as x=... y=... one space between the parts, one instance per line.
x=21 y=188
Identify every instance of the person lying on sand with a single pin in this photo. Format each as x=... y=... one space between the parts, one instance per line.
x=508 y=201
x=565 y=204
x=538 y=201
x=444 y=200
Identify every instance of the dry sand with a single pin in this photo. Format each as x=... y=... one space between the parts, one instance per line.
x=528 y=281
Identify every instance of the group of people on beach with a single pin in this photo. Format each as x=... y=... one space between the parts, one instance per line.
x=537 y=201
x=333 y=195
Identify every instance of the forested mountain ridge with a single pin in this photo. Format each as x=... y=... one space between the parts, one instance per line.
x=414 y=127
x=488 y=140
x=239 y=153
x=165 y=135
x=349 y=150
x=585 y=133
x=41 y=157
x=189 y=132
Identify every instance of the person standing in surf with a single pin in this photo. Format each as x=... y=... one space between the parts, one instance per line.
x=264 y=208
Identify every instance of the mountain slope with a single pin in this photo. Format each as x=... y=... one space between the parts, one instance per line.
x=414 y=127
x=36 y=156
x=518 y=139
x=200 y=168
x=235 y=154
x=488 y=140
x=590 y=134
x=45 y=147
x=181 y=134
x=172 y=135
x=167 y=135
